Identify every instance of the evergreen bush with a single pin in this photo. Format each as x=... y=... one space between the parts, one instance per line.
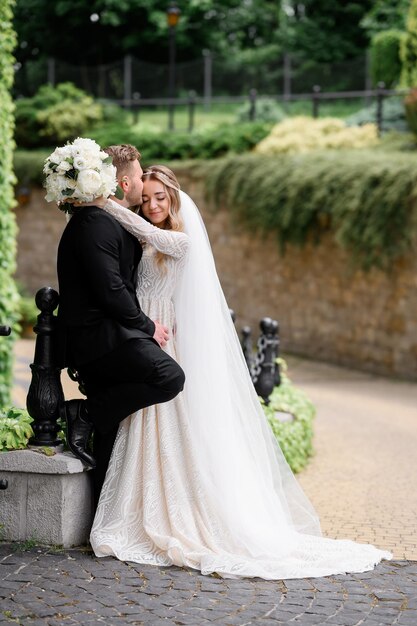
x=209 y=143
x=303 y=134
x=54 y=115
x=408 y=51
x=9 y=298
x=385 y=57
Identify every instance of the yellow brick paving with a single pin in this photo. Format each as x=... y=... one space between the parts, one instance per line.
x=363 y=477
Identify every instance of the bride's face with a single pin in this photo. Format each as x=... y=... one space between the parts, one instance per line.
x=155 y=202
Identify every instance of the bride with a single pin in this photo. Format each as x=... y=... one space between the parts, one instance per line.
x=200 y=481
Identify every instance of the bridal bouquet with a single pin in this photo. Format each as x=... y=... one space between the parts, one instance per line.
x=82 y=171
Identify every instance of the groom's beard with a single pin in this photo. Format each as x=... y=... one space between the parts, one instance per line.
x=134 y=197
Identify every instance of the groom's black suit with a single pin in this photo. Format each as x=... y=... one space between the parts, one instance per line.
x=103 y=333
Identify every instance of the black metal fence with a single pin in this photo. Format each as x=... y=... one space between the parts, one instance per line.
x=316 y=97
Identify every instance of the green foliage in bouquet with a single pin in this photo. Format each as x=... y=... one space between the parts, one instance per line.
x=9 y=298
x=294 y=437
x=15 y=429
x=385 y=57
x=54 y=115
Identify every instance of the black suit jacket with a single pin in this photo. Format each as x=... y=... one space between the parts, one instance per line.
x=98 y=308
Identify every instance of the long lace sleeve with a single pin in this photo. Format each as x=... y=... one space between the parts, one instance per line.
x=170 y=242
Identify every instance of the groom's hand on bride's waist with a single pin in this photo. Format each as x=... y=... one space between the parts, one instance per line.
x=161 y=334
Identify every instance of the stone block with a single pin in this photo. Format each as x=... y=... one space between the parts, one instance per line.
x=48 y=499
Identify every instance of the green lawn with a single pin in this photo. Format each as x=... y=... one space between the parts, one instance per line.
x=157 y=117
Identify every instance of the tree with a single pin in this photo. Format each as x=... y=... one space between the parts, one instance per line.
x=409 y=49
x=8 y=292
x=385 y=15
x=98 y=31
x=325 y=30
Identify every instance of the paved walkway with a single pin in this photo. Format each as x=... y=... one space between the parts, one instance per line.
x=361 y=480
x=41 y=587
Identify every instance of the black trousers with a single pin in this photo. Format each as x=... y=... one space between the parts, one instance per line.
x=135 y=375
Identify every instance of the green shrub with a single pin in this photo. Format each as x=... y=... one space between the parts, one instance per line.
x=54 y=115
x=385 y=57
x=28 y=314
x=365 y=198
x=15 y=429
x=205 y=144
x=267 y=110
x=303 y=134
x=68 y=120
x=393 y=115
x=410 y=103
x=294 y=437
x=408 y=51
x=9 y=297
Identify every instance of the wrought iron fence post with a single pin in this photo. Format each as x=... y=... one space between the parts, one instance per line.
x=247 y=347
x=266 y=371
x=316 y=100
x=191 y=110
x=45 y=394
x=252 y=104
x=380 y=106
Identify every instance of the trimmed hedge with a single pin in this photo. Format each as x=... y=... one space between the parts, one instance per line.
x=385 y=57
x=9 y=298
x=365 y=198
x=201 y=144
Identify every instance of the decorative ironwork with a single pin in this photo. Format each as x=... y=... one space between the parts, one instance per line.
x=262 y=365
x=45 y=394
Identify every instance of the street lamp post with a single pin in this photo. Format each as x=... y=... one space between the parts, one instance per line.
x=173 y=16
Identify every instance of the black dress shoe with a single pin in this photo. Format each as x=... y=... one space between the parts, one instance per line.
x=78 y=431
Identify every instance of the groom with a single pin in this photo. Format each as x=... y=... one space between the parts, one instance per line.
x=104 y=336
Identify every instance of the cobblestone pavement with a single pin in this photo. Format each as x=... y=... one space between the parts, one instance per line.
x=41 y=587
x=360 y=481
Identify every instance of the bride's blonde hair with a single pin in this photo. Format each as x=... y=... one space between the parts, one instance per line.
x=164 y=175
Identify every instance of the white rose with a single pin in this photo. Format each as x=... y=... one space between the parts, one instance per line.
x=108 y=176
x=54 y=186
x=86 y=144
x=89 y=182
x=80 y=163
x=64 y=166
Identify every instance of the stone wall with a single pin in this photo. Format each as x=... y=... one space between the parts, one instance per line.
x=326 y=310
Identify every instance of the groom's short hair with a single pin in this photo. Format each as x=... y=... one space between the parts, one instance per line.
x=122 y=156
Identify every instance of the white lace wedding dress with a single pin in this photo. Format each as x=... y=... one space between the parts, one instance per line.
x=164 y=503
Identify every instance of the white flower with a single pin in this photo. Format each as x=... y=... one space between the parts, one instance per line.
x=64 y=166
x=95 y=178
x=89 y=182
x=80 y=163
x=108 y=175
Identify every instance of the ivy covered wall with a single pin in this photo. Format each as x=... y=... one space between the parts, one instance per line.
x=8 y=293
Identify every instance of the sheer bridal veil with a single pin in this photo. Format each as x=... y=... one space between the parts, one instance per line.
x=245 y=471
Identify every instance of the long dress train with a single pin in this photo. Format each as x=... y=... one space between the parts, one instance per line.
x=162 y=501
